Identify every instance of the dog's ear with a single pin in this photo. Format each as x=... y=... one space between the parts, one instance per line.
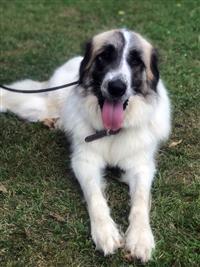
x=85 y=63
x=154 y=77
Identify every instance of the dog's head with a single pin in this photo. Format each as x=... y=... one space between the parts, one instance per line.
x=118 y=64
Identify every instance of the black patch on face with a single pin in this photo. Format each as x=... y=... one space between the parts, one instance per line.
x=105 y=60
x=154 y=69
x=137 y=66
x=108 y=59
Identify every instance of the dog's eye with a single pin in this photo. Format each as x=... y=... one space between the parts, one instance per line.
x=100 y=58
x=107 y=55
x=134 y=59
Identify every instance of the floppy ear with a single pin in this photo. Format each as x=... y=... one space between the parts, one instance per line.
x=85 y=62
x=153 y=80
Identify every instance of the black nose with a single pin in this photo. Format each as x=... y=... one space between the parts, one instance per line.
x=116 y=88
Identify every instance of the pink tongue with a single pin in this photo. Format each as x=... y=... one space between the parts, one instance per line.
x=112 y=115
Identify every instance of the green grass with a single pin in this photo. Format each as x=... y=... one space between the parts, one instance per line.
x=36 y=37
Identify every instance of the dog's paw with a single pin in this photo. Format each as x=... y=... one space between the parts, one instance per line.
x=106 y=236
x=51 y=123
x=139 y=243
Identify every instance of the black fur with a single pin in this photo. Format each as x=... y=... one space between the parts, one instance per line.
x=107 y=60
x=137 y=65
x=84 y=62
x=154 y=69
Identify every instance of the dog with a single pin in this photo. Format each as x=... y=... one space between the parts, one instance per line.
x=119 y=92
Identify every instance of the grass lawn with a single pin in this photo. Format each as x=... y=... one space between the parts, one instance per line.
x=43 y=218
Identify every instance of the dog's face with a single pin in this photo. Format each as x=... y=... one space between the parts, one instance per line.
x=118 y=64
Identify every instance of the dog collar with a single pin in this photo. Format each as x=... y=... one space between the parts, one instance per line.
x=100 y=134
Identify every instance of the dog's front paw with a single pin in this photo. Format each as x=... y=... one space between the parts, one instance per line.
x=106 y=236
x=139 y=243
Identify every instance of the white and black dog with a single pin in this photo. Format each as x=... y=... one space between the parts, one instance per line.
x=119 y=91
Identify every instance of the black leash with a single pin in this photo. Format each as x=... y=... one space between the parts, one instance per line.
x=90 y=138
x=38 y=90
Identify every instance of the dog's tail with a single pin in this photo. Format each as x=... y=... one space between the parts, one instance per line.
x=32 y=107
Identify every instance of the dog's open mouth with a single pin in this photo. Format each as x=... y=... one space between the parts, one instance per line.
x=113 y=114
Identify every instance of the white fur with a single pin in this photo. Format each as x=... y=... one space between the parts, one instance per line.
x=146 y=124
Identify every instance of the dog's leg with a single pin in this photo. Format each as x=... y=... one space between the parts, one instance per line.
x=139 y=238
x=103 y=229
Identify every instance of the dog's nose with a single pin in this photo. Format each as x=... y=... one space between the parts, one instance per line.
x=116 y=88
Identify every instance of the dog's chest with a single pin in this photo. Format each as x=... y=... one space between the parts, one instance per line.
x=122 y=148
